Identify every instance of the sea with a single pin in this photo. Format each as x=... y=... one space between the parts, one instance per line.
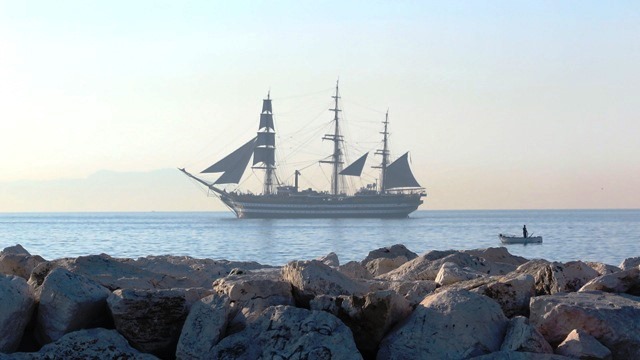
x=607 y=236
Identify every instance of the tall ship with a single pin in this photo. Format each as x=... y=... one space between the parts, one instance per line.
x=395 y=193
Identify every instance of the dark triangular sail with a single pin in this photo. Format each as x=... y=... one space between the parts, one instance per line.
x=233 y=165
x=355 y=169
x=399 y=175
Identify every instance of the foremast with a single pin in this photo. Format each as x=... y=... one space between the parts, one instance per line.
x=385 y=154
x=336 y=157
x=266 y=146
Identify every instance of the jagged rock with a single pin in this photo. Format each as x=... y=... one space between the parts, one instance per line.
x=625 y=281
x=581 y=345
x=330 y=259
x=69 y=302
x=95 y=343
x=310 y=278
x=203 y=328
x=427 y=266
x=521 y=336
x=355 y=271
x=497 y=255
x=286 y=332
x=151 y=320
x=451 y=273
x=518 y=355
x=552 y=278
x=630 y=263
x=377 y=267
x=413 y=291
x=194 y=272
x=392 y=252
x=15 y=260
x=602 y=268
x=369 y=317
x=610 y=318
x=250 y=295
x=447 y=325
x=512 y=292
x=17 y=303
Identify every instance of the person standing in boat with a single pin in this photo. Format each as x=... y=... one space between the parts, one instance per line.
x=524 y=231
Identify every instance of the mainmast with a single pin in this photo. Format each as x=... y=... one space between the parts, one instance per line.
x=336 y=157
x=385 y=154
x=265 y=146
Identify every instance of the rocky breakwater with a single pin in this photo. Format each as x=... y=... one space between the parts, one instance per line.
x=394 y=304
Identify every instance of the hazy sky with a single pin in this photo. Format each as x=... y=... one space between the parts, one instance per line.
x=503 y=104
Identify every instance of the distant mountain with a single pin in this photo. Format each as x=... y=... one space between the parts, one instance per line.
x=158 y=190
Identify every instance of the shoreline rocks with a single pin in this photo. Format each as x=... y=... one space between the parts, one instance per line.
x=394 y=304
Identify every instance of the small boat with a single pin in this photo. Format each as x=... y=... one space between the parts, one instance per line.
x=512 y=239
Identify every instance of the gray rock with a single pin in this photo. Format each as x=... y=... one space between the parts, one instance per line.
x=15 y=260
x=447 y=325
x=17 y=300
x=251 y=294
x=69 y=302
x=581 y=345
x=552 y=278
x=369 y=317
x=610 y=318
x=392 y=252
x=356 y=271
x=497 y=255
x=286 y=332
x=203 y=328
x=521 y=336
x=630 y=263
x=151 y=320
x=330 y=259
x=625 y=281
x=413 y=291
x=377 y=267
x=92 y=344
x=512 y=292
x=427 y=266
x=602 y=268
x=311 y=278
x=451 y=273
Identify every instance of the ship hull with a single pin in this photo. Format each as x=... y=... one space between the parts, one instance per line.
x=327 y=206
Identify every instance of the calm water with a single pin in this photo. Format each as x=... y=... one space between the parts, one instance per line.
x=609 y=236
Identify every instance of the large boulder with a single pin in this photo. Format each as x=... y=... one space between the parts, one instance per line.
x=602 y=268
x=451 y=273
x=151 y=320
x=15 y=260
x=625 y=281
x=356 y=271
x=519 y=355
x=497 y=255
x=427 y=266
x=69 y=302
x=413 y=291
x=610 y=318
x=448 y=325
x=311 y=278
x=17 y=304
x=581 y=345
x=552 y=278
x=512 y=292
x=252 y=293
x=95 y=343
x=191 y=272
x=377 y=267
x=369 y=317
x=521 y=336
x=330 y=259
x=203 y=328
x=286 y=332
x=391 y=252
x=630 y=263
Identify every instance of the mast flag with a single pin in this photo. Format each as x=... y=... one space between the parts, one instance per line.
x=355 y=169
x=233 y=165
x=399 y=175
